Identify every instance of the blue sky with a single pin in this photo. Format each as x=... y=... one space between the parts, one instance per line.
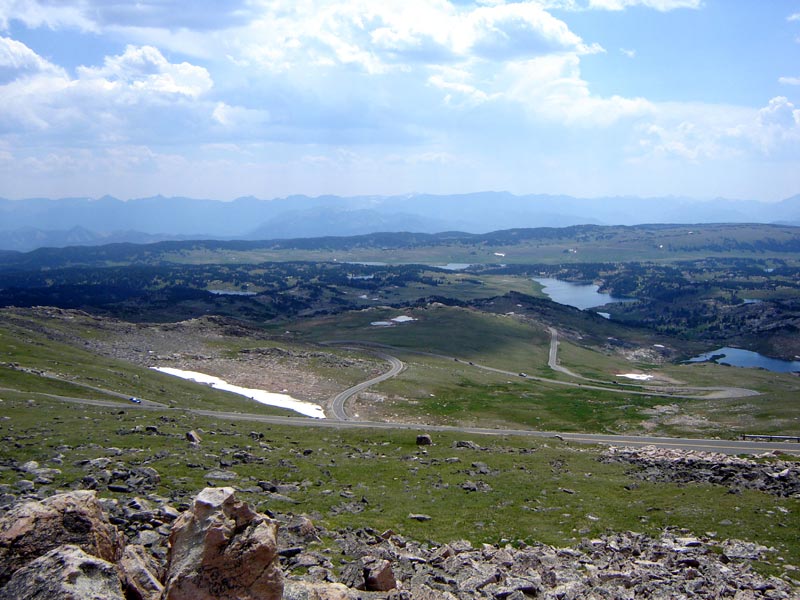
x=270 y=98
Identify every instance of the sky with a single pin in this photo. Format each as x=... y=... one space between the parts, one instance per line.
x=271 y=98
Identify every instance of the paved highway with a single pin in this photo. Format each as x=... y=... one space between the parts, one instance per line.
x=338 y=402
x=707 y=445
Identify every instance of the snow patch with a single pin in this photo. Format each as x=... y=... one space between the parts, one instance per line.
x=270 y=398
x=636 y=376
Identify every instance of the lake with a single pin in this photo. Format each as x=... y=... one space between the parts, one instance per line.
x=232 y=293
x=736 y=357
x=579 y=295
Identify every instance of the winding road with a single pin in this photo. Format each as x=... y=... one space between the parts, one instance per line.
x=338 y=402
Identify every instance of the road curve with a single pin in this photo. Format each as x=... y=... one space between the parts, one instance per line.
x=552 y=358
x=338 y=402
x=631 y=389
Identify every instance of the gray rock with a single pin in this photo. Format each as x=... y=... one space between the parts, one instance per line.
x=25 y=485
x=32 y=529
x=139 y=574
x=222 y=475
x=64 y=573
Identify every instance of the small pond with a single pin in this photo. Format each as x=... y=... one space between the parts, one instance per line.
x=736 y=357
x=232 y=293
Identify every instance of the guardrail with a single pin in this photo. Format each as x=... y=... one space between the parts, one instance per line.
x=771 y=438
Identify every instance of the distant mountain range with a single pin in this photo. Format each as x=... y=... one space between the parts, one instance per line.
x=43 y=222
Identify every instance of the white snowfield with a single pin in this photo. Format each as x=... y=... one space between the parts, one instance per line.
x=636 y=376
x=308 y=409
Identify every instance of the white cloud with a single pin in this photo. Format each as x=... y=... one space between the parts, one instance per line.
x=17 y=56
x=779 y=113
x=521 y=30
x=233 y=117
x=144 y=69
x=628 y=53
x=401 y=34
x=698 y=132
x=789 y=80
x=102 y=105
x=551 y=87
x=53 y=15
x=98 y=15
x=660 y=5
x=794 y=17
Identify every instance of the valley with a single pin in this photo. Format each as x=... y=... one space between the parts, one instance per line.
x=521 y=396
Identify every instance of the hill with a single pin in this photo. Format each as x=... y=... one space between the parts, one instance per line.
x=39 y=222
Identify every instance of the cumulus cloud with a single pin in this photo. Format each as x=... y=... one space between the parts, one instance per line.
x=144 y=69
x=716 y=132
x=380 y=36
x=16 y=56
x=53 y=15
x=102 y=104
x=236 y=116
x=779 y=113
x=551 y=87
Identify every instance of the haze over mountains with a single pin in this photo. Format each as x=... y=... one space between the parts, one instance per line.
x=40 y=222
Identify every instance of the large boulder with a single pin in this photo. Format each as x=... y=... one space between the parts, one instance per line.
x=222 y=549
x=66 y=573
x=30 y=530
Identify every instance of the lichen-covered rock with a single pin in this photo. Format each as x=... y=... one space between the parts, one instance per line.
x=138 y=571
x=222 y=549
x=64 y=573
x=30 y=530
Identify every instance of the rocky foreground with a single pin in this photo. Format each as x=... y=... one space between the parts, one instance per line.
x=76 y=545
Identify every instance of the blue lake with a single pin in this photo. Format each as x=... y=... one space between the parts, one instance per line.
x=231 y=293
x=579 y=295
x=744 y=358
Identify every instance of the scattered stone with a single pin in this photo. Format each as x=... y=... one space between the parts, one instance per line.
x=424 y=440
x=470 y=445
x=222 y=475
x=193 y=437
x=780 y=478
x=24 y=485
x=419 y=517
